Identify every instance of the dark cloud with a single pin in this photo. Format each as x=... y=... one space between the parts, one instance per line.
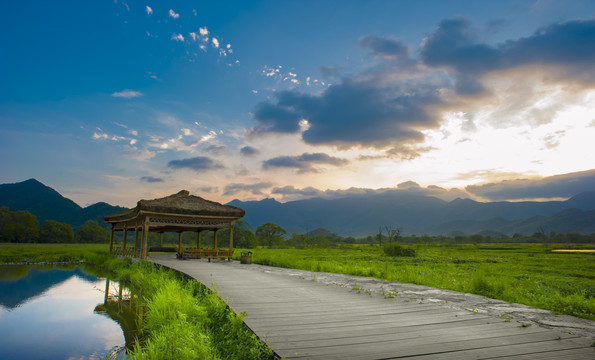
x=385 y=47
x=304 y=163
x=151 y=179
x=207 y=189
x=354 y=114
x=197 y=163
x=249 y=151
x=559 y=186
x=254 y=189
x=332 y=73
x=290 y=193
x=567 y=46
x=216 y=149
x=275 y=119
x=389 y=105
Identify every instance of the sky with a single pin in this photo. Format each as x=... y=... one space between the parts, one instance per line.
x=118 y=101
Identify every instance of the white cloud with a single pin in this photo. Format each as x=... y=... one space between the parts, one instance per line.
x=99 y=136
x=133 y=132
x=173 y=14
x=186 y=132
x=127 y=94
x=137 y=154
x=177 y=37
x=132 y=141
x=193 y=36
x=215 y=42
x=148 y=10
x=203 y=31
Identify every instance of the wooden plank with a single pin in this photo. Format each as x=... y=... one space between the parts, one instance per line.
x=303 y=319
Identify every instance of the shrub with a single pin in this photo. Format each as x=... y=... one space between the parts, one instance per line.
x=396 y=249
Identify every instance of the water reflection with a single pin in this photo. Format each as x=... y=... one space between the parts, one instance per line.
x=122 y=306
x=49 y=312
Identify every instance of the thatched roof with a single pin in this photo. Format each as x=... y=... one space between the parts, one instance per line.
x=180 y=203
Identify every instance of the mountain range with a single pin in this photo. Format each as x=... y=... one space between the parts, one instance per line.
x=46 y=203
x=353 y=215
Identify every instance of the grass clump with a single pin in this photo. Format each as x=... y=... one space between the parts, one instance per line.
x=184 y=320
x=396 y=249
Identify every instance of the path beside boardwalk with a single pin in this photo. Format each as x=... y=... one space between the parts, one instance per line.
x=308 y=315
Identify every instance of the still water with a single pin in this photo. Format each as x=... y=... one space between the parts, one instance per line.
x=51 y=312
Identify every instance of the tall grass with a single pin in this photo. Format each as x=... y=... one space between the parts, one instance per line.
x=184 y=320
x=530 y=275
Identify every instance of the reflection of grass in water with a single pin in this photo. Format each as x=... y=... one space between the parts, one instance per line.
x=14 y=272
x=526 y=274
x=16 y=253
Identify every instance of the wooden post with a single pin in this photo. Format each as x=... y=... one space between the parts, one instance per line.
x=231 y=236
x=136 y=252
x=215 y=239
x=125 y=238
x=198 y=240
x=161 y=239
x=180 y=243
x=111 y=241
x=145 y=240
x=106 y=291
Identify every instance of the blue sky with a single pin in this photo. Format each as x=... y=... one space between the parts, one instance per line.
x=121 y=100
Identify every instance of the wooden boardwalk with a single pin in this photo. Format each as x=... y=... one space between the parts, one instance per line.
x=303 y=319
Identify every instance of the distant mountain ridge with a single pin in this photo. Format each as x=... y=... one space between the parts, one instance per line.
x=414 y=213
x=46 y=203
x=355 y=215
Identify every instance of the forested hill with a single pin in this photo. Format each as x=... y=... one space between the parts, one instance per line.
x=47 y=204
x=414 y=213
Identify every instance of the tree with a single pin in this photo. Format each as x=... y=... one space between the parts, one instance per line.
x=392 y=233
x=91 y=232
x=270 y=234
x=55 y=232
x=18 y=226
x=243 y=237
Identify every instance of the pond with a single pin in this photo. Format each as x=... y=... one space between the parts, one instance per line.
x=61 y=312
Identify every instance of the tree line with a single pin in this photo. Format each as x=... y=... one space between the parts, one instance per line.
x=23 y=227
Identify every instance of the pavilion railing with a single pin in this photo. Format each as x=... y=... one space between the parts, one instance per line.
x=118 y=251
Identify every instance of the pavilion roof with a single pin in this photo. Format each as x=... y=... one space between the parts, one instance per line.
x=176 y=204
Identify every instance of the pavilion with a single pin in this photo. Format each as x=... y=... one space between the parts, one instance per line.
x=174 y=213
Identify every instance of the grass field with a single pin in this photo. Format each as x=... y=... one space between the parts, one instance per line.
x=562 y=282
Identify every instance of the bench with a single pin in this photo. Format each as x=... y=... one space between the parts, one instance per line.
x=208 y=253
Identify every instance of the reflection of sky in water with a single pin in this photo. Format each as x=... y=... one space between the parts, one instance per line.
x=60 y=324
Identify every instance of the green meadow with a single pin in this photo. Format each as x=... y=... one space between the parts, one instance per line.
x=563 y=282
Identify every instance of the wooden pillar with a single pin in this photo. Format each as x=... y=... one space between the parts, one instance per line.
x=180 y=243
x=198 y=240
x=106 y=291
x=215 y=239
x=125 y=238
x=145 y=240
x=111 y=241
x=136 y=252
x=231 y=235
x=161 y=239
